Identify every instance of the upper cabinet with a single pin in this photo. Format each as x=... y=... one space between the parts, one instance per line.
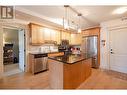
x=92 y=31
x=58 y=36
x=47 y=34
x=36 y=34
x=66 y=36
x=39 y=35
x=52 y=35
x=76 y=39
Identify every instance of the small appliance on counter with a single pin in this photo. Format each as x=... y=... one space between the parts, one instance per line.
x=64 y=47
x=75 y=50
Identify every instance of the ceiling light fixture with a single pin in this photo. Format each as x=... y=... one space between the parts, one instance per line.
x=120 y=10
x=70 y=20
x=66 y=17
x=79 y=23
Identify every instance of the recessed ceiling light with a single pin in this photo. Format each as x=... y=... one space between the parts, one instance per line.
x=120 y=10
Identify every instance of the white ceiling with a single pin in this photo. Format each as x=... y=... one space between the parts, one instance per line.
x=93 y=15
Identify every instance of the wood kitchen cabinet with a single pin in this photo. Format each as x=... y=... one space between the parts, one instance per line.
x=66 y=36
x=86 y=69
x=91 y=31
x=68 y=76
x=55 y=36
x=76 y=39
x=58 y=36
x=36 y=34
x=47 y=34
x=63 y=35
x=52 y=35
x=80 y=72
x=40 y=34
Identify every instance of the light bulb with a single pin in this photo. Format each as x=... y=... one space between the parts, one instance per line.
x=79 y=30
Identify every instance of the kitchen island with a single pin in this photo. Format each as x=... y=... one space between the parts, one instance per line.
x=69 y=71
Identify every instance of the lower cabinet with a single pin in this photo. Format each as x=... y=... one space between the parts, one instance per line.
x=76 y=74
x=86 y=69
x=72 y=75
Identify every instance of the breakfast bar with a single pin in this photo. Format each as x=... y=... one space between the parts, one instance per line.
x=69 y=71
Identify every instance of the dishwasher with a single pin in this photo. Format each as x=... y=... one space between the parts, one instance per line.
x=40 y=63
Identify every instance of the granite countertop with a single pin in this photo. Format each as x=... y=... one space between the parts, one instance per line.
x=71 y=58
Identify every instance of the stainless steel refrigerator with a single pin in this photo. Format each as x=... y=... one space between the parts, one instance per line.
x=89 y=46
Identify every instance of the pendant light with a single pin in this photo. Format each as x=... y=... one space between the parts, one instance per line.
x=79 y=23
x=66 y=18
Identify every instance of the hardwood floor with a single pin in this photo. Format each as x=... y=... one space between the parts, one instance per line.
x=25 y=81
x=103 y=79
x=100 y=79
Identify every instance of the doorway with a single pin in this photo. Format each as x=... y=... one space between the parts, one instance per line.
x=118 y=50
x=13 y=51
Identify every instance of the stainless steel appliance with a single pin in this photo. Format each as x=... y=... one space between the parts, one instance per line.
x=89 y=45
x=64 y=46
x=40 y=63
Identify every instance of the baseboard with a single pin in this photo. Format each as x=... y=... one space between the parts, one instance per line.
x=119 y=69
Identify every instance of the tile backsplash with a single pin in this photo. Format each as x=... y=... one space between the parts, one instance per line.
x=43 y=48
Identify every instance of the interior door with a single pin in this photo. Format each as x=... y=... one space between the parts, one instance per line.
x=118 y=50
x=21 y=50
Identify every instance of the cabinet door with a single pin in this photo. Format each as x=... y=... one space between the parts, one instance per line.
x=53 y=35
x=94 y=31
x=47 y=33
x=37 y=34
x=86 y=69
x=76 y=39
x=63 y=35
x=40 y=35
x=66 y=36
x=79 y=38
x=86 y=33
x=72 y=75
x=58 y=37
x=89 y=32
x=69 y=37
x=72 y=39
x=34 y=33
